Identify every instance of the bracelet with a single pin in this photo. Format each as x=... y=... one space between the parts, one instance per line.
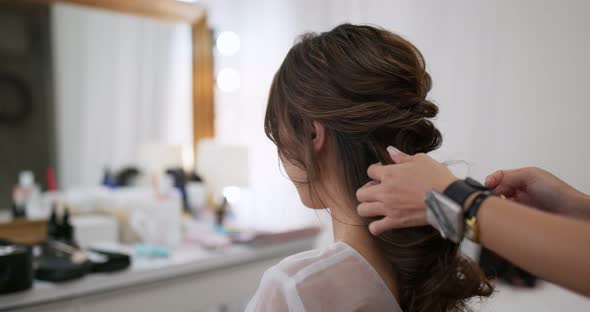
x=471 y=224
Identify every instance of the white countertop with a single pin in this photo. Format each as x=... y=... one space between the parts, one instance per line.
x=185 y=260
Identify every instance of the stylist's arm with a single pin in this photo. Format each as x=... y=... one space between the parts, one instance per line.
x=554 y=247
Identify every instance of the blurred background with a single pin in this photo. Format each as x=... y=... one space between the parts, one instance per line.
x=142 y=123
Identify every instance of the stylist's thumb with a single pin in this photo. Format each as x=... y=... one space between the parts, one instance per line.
x=397 y=155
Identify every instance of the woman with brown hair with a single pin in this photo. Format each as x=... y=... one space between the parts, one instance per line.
x=336 y=103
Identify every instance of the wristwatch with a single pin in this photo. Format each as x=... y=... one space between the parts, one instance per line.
x=460 y=190
x=447 y=213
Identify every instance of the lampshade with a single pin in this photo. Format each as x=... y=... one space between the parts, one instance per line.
x=155 y=157
x=222 y=165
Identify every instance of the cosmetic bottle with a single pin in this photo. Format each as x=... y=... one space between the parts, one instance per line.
x=28 y=193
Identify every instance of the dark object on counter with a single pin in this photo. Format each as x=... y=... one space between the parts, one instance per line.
x=220 y=212
x=16 y=267
x=180 y=180
x=108 y=180
x=107 y=261
x=67 y=230
x=495 y=266
x=194 y=177
x=52 y=226
x=61 y=259
x=60 y=262
x=19 y=202
x=62 y=231
x=18 y=211
x=127 y=177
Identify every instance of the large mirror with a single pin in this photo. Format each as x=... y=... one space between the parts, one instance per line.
x=86 y=84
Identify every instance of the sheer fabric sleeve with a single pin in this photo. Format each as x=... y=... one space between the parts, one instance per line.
x=276 y=293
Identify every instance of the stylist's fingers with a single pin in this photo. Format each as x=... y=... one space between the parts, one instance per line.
x=505 y=190
x=376 y=171
x=382 y=225
x=494 y=179
x=370 y=193
x=507 y=182
x=416 y=219
x=370 y=183
x=388 y=223
x=397 y=155
x=371 y=209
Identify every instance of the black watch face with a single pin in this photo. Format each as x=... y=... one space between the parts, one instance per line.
x=474 y=183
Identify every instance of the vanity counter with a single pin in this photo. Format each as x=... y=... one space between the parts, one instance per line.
x=191 y=279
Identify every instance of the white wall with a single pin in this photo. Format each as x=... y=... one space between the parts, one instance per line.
x=509 y=78
x=121 y=81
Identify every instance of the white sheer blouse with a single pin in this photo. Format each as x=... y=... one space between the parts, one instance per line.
x=336 y=278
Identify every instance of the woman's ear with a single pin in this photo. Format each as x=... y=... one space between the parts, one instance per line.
x=318 y=136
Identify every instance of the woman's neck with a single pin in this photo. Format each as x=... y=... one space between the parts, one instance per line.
x=350 y=229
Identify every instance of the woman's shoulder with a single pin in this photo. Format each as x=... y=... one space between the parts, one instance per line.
x=283 y=286
x=298 y=264
x=336 y=276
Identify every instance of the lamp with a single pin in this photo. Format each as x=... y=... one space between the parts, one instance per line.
x=225 y=170
x=157 y=157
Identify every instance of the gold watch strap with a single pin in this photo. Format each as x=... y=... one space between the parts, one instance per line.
x=472 y=229
x=471 y=223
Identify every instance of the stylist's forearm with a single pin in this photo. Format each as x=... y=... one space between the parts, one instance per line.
x=555 y=248
x=580 y=206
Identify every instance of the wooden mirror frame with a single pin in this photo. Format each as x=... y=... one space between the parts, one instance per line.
x=202 y=72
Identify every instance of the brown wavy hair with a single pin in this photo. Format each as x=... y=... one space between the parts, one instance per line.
x=368 y=87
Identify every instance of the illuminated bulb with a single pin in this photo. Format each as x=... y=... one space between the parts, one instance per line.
x=228 y=80
x=228 y=43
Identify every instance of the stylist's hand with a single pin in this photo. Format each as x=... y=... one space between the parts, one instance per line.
x=397 y=191
x=540 y=189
